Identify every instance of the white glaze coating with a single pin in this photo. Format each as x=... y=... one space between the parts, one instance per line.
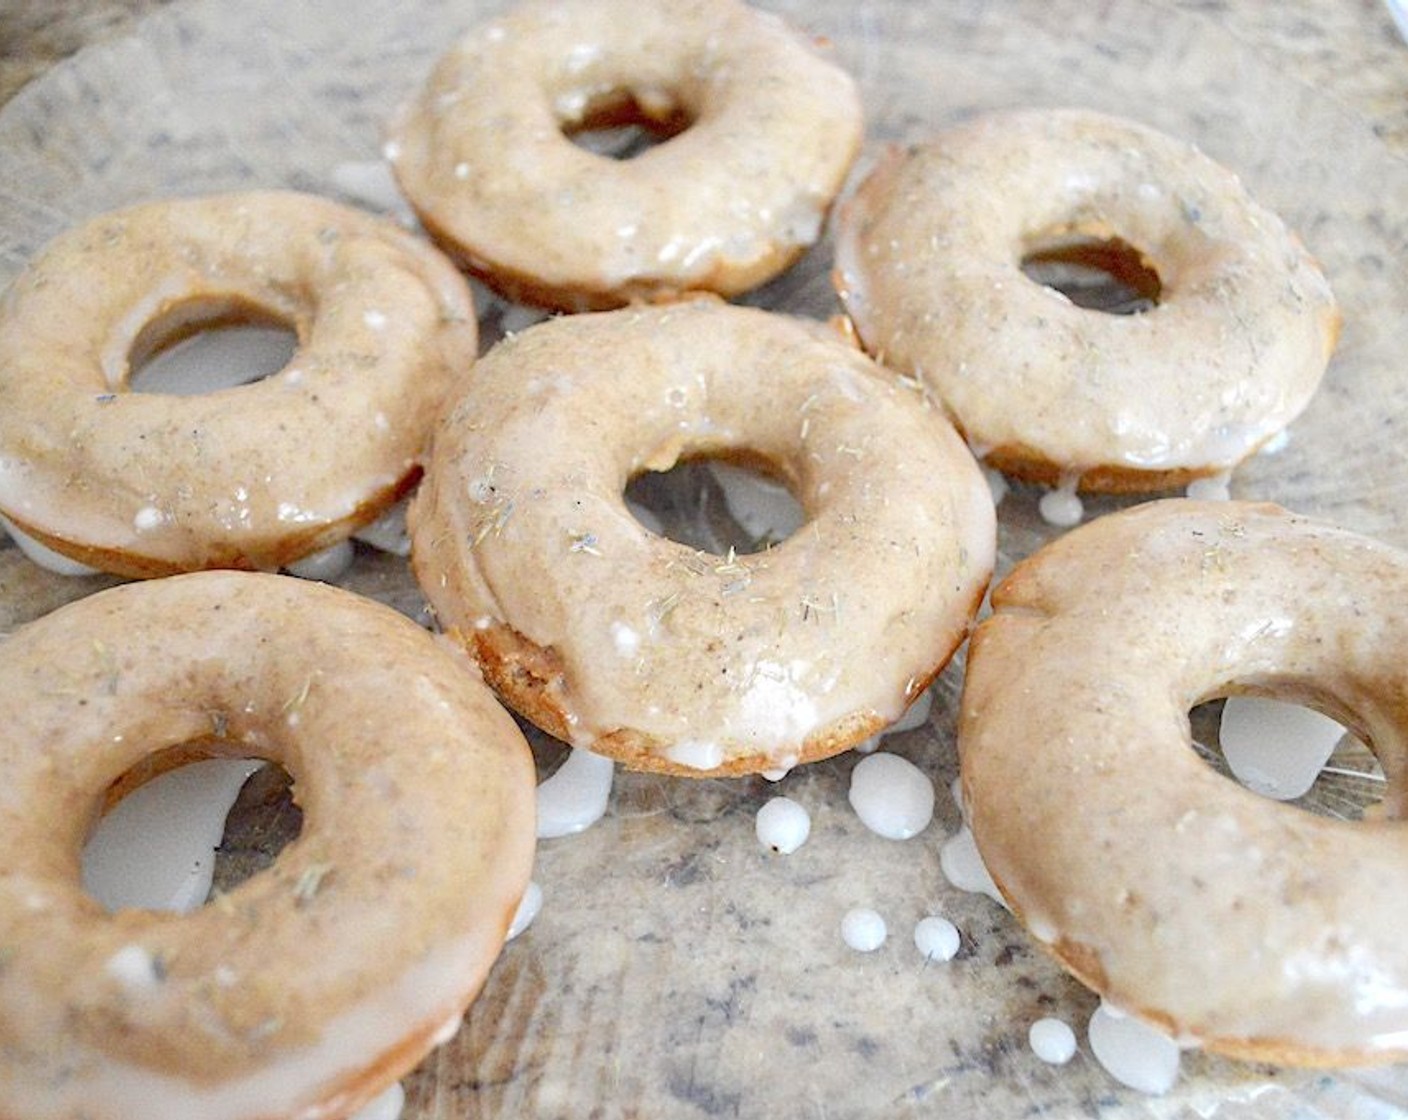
x=1275 y=748
x=722 y=206
x=220 y=358
x=388 y=532
x=327 y=565
x=529 y=906
x=1250 y=927
x=962 y=865
x=387 y=1106
x=574 y=796
x=891 y=796
x=155 y=848
x=928 y=264
x=45 y=556
x=936 y=938
x=1052 y=1040
x=258 y=1005
x=783 y=825
x=1133 y=1052
x=863 y=929
x=254 y=476
x=523 y=544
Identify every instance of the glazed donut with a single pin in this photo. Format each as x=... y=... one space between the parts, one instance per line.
x=929 y=254
x=145 y=484
x=314 y=984
x=1246 y=925
x=669 y=659
x=766 y=131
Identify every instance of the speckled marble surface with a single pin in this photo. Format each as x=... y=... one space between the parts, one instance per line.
x=34 y=36
x=678 y=969
x=1349 y=48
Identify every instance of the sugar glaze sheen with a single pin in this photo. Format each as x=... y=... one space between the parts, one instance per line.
x=1305 y=963
x=253 y=476
x=761 y=130
x=929 y=252
x=667 y=658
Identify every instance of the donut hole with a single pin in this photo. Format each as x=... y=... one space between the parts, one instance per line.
x=207 y=345
x=715 y=504
x=625 y=124
x=1288 y=752
x=177 y=830
x=1105 y=274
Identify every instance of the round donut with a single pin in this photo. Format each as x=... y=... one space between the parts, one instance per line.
x=929 y=254
x=766 y=131
x=314 y=984
x=145 y=484
x=1242 y=924
x=669 y=659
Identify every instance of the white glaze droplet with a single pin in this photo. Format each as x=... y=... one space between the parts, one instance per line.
x=326 y=565
x=937 y=939
x=1275 y=748
x=783 y=825
x=863 y=930
x=45 y=556
x=1214 y=488
x=892 y=796
x=387 y=1105
x=155 y=849
x=449 y=1028
x=696 y=754
x=388 y=532
x=528 y=907
x=998 y=485
x=574 y=798
x=1062 y=506
x=516 y=317
x=134 y=968
x=963 y=866
x=868 y=745
x=1132 y=1052
x=1052 y=1041
x=1277 y=443
x=147 y=519
x=625 y=639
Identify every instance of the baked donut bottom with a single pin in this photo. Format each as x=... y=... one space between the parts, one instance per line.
x=531 y=679
x=728 y=279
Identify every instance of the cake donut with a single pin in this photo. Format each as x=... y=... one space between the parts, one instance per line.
x=764 y=131
x=667 y=658
x=929 y=265
x=1242 y=924
x=313 y=984
x=257 y=476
